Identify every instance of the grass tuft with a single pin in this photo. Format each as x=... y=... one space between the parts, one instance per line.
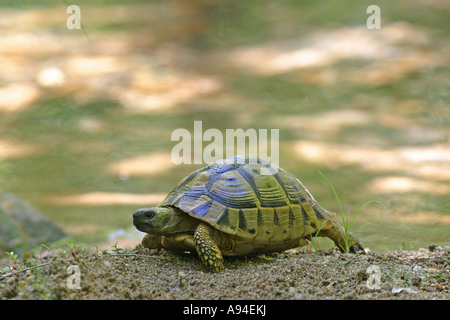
x=347 y=223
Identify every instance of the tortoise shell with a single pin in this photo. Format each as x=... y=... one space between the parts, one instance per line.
x=233 y=196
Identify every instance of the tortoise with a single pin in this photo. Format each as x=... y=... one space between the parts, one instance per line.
x=231 y=208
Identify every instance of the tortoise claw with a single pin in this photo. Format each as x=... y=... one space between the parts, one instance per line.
x=357 y=247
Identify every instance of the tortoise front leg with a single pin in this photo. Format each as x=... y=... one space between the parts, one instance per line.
x=152 y=241
x=207 y=248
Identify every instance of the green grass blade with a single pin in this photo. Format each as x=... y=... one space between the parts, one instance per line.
x=335 y=194
x=365 y=204
x=346 y=221
x=314 y=240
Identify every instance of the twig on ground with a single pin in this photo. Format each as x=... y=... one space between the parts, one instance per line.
x=23 y=270
x=130 y=254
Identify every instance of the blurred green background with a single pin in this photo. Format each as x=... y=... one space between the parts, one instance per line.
x=86 y=116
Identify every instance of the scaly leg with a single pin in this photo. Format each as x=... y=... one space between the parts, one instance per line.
x=207 y=248
x=152 y=241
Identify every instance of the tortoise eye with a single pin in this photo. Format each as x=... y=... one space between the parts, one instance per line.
x=149 y=214
x=144 y=213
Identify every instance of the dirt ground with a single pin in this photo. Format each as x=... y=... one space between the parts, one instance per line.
x=159 y=274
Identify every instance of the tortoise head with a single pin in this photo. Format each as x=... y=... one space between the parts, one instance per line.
x=164 y=221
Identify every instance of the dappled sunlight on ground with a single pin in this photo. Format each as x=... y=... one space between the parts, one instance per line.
x=144 y=98
x=145 y=165
x=325 y=48
x=93 y=67
x=17 y=97
x=10 y=149
x=388 y=72
x=82 y=228
x=405 y=184
x=136 y=81
x=106 y=198
x=326 y=123
x=418 y=161
x=422 y=218
x=51 y=77
x=403 y=214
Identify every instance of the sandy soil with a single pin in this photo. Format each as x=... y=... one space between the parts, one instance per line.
x=161 y=274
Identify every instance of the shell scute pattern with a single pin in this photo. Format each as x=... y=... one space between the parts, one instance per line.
x=236 y=199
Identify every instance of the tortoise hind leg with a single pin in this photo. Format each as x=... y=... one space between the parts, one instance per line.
x=207 y=248
x=338 y=235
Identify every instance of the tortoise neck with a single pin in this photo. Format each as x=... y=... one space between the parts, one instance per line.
x=180 y=223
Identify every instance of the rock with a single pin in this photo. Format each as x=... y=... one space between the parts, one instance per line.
x=22 y=226
x=397 y=290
